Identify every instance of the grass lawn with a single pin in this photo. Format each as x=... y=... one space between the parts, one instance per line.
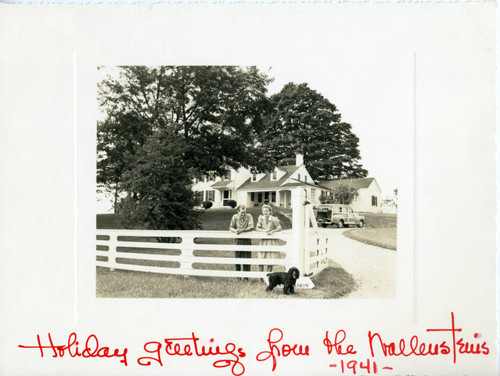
x=380 y=230
x=219 y=219
x=211 y=219
x=380 y=220
x=385 y=237
x=333 y=282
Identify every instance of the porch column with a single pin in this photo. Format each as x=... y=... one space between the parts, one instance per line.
x=277 y=198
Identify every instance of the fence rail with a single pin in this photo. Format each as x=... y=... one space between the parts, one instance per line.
x=316 y=252
x=121 y=247
x=211 y=253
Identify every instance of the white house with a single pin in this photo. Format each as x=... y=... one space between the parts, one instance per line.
x=369 y=198
x=257 y=189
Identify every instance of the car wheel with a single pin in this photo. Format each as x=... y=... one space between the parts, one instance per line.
x=340 y=224
x=361 y=224
x=324 y=225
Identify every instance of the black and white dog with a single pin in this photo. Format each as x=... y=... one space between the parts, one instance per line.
x=286 y=279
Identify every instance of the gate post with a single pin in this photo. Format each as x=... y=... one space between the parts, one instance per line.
x=299 y=238
x=299 y=229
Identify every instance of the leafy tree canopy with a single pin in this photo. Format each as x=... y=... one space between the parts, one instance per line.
x=304 y=121
x=215 y=111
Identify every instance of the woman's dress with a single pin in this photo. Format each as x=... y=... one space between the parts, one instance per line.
x=269 y=224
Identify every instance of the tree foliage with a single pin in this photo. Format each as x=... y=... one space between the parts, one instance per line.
x=208 y=115
x=119 y=138
x=342 y=194
x=160 y=195
x=392 y=201
x=217 y=109
x=304 y=121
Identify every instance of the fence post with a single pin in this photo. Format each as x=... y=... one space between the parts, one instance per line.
x=299 y=229
x=113 y=243
x=187 y=253
x=299 y=246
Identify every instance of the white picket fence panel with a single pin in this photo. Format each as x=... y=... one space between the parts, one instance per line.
x=316 y=253
x=187 y=247
x=304 y=247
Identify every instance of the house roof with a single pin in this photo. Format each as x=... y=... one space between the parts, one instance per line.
x=298 y=183
x=355 y=183
x=222 y=184
x=266 y=181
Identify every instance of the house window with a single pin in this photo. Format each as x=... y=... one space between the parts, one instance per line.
x=226 y=195
x=254 y=177
x=299 y=177
x=374 y=200
x=252 y=196
x=274 y=176
x=259 y=197
x=266 y=195
x=305 y=178
x=210 y=195
x=273 y=196
x=226 y=177
x=211 y=176
x=198 y=196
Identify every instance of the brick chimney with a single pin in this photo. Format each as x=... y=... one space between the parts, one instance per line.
x=299 y=159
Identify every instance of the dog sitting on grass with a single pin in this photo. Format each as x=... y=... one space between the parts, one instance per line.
x=286 y=279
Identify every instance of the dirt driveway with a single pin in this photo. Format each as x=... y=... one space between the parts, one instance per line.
x=374 y=269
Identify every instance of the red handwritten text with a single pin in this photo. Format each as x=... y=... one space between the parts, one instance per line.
x=417 y=348
x=91 y=350
x=340 y=336
x=275 y=336
x=190 y=346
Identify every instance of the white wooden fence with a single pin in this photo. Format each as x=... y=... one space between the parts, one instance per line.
x=211 y=253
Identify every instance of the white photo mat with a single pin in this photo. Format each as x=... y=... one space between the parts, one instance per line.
x=443 y=56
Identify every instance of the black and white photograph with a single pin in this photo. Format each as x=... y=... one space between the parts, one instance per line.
x=236 y=188
x=227 y=182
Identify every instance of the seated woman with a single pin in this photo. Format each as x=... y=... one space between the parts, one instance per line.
x=268 y=224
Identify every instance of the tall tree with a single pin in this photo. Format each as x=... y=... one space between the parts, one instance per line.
x=217 y=109
x=304 y=121
x=210 y=113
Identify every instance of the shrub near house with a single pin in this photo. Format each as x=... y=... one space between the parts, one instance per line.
x=364 y=195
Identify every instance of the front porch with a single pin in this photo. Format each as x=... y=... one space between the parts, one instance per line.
x=279 y=198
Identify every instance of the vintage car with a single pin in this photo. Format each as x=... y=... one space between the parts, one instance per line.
x=339 y=215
